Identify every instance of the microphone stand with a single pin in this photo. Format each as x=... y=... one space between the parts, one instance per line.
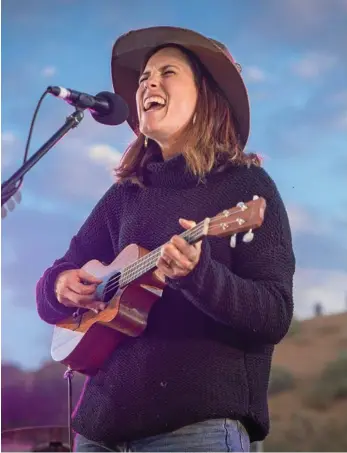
x=8 y=188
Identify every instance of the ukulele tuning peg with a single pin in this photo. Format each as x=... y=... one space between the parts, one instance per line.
x=241 y=205
x=233 y=241
x=248 y=237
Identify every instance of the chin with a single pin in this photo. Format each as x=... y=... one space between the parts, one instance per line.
x=152 y=130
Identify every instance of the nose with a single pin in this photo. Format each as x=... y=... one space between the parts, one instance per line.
x=152 y=81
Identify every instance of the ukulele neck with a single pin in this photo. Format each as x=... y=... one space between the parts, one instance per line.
x=148 y=262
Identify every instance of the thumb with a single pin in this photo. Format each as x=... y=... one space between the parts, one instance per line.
x=88 y=277
x=186 y=224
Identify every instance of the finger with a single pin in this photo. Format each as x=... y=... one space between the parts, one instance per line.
x=169 y=260
x=75 y=298
x=83 y=275
x=69 y=300
x=80 y=288
x=163 y=266
x=187 y=250
x=169 y=271
x=170 y=252
x=187 y=224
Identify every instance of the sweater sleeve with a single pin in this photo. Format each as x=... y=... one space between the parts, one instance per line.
x=92 y=241
x=255 y=297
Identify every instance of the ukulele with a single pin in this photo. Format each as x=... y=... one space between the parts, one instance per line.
x=130 y=286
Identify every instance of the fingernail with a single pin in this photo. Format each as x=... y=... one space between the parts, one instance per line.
x=95 y=310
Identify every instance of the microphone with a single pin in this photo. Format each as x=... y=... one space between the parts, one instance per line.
x=106 y=108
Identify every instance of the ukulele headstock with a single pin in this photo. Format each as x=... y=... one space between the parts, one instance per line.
x=240 y=218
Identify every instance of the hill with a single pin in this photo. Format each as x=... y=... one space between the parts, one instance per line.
x=308 y=404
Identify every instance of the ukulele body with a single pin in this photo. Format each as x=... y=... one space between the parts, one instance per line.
x=83 y=343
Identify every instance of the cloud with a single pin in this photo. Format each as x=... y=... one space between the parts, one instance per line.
x=32 y=240
x=254 y=74
x=33 y=248
x=313 y=285
x=305 y=219
x=81 y=173
x=297 y=26
x=314 y=239
x=313 y=124
x=48 y=71
x=323 y=251
x=313 y=65
x=79 y=164
x=35 y=340
x=309 y=13
x=8 y=137
x=105 y=155
x=300 y=219
x=79 y=167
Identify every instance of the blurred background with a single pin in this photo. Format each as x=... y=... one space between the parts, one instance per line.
x=294 y=61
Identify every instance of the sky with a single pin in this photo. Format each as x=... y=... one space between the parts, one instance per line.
x=294 y=63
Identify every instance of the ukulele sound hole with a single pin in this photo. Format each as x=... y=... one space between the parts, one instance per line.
x=111 y=287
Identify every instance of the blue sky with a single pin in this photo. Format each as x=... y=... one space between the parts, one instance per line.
x=295 y=66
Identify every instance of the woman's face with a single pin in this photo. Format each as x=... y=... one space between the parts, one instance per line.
x=167 y=96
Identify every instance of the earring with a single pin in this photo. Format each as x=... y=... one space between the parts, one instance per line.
x=194 y=118
x=146 y=142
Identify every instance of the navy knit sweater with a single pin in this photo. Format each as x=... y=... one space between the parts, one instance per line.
x=208 y=345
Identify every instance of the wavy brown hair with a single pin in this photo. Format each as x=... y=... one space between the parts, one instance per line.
x=209 y=141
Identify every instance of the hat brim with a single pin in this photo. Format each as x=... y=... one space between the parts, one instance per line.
x=131 y=48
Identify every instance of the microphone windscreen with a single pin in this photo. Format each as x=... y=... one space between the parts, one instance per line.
x=119 y=110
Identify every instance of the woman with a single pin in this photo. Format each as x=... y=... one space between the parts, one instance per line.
x=196 y=379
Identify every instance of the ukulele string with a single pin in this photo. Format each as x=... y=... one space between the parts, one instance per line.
x=141 y=263
x=194 y=233
x=197 y=230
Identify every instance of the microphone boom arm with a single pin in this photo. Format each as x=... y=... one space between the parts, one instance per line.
x=8 y=188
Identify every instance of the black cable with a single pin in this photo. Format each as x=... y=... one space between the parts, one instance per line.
x=14 y=189
x=31 y=129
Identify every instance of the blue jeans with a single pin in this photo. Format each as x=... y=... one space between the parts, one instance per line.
x=207 y=436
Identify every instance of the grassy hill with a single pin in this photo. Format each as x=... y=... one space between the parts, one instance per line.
x=308 y=392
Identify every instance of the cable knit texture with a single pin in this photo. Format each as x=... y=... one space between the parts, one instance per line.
x=208 y=345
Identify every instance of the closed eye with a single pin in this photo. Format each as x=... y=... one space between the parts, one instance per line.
x=145 y=76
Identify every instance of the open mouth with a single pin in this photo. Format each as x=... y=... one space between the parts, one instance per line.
x=153 y=103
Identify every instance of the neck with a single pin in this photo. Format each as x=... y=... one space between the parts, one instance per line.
x=170 y=148
x=169 y=154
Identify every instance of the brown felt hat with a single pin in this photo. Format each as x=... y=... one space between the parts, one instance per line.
x=129 y=52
